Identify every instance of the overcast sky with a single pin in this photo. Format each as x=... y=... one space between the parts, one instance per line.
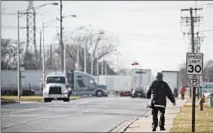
x=148 y=32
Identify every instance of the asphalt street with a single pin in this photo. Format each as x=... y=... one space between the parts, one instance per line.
x=82 y=115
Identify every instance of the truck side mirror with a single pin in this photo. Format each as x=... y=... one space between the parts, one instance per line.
x=67 y=85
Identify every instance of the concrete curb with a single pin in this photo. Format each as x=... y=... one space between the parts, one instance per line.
x=6 y=103
x=132 y=121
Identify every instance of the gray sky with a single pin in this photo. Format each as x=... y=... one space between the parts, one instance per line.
x=148 y=32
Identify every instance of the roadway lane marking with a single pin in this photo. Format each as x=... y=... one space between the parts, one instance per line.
x=23 y=110
x=27 y=122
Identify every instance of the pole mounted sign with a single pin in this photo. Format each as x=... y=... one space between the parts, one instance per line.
x=194 y=64
x=194 y=81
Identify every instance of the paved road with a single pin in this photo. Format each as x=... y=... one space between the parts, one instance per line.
x=87 y=114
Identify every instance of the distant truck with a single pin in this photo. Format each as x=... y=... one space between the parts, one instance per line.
x=140 y=79
x=122 y=85
x=85 y=84
x=171 y=77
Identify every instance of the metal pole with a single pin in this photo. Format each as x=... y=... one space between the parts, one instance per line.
x=40 y=53
x=92 y=57
x=194 y=88
x=61 y=36
x=92 y=65
x=78 y=56
x=97 y=70
x=65 y=60
x=18 y=58
x=85 y=58
x=43 y=56
x=102 y=68
x=105 y=68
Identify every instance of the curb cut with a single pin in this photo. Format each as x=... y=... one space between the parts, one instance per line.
x=132 y=121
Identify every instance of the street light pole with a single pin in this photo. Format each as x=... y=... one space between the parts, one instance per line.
x=18 y=57
x=43 y=56
x=85 y=58
x=97 y=67
x=105 y=65
x=65 y=60
x=61 y=35
x=102 y=67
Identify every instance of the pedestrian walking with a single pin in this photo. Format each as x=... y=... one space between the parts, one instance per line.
x=182 y=92
x=175 y=92
x=157 y=93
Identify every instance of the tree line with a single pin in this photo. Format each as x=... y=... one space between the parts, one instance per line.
x=99 y=45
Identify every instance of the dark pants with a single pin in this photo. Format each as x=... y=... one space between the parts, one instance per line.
x=155 y=117
x=182 y=96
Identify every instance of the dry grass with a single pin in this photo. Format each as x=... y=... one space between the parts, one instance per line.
x=203 y=122
x=30 y=98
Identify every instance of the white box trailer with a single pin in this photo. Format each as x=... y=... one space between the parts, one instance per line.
x=141 y=78
x=171 y=77
x=124 y=83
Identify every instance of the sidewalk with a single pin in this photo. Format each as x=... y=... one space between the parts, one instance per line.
x=144 y=124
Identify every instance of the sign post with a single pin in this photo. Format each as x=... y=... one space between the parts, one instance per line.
x=194 y=67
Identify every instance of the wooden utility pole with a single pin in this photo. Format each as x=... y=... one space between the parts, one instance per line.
x=192 y=20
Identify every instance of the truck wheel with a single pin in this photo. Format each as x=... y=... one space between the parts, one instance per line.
x=47 y=100
x=99 y=93
x=66 y=99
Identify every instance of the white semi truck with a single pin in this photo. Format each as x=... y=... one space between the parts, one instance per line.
x=56 y=87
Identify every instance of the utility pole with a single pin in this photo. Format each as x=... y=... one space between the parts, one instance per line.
x=92 y=57
x=105 y=68
x=194 y=88
x=18 y=57
x=78 y=45
x=61 y=36
x=186 y=21
x=97 y=68
x=51 y=48
x=43 y=57
x=92 y=65
x=102 y=68
x=192 y=21
x=85 y=57
x=40 y=53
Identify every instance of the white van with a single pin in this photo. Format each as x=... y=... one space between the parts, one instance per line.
x=56 y=87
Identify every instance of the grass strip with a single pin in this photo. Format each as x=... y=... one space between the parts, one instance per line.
x=29 y=98
x=203 y=119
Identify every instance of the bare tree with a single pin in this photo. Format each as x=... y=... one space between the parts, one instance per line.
x=183 y=78
x=208 y=71
x=9 y=54
x=98 y=45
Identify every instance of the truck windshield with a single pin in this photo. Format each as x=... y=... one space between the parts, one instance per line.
x=56 y=80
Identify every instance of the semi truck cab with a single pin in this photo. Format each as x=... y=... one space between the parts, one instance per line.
x=56 y=87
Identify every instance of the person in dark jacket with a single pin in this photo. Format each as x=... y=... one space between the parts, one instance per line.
x=158 y=91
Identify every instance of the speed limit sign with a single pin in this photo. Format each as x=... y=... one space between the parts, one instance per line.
x=194 y=63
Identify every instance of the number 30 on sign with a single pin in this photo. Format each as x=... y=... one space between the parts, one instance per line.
x=194 y=63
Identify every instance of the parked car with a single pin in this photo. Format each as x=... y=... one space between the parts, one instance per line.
x=137 y=92
x=124 y=93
